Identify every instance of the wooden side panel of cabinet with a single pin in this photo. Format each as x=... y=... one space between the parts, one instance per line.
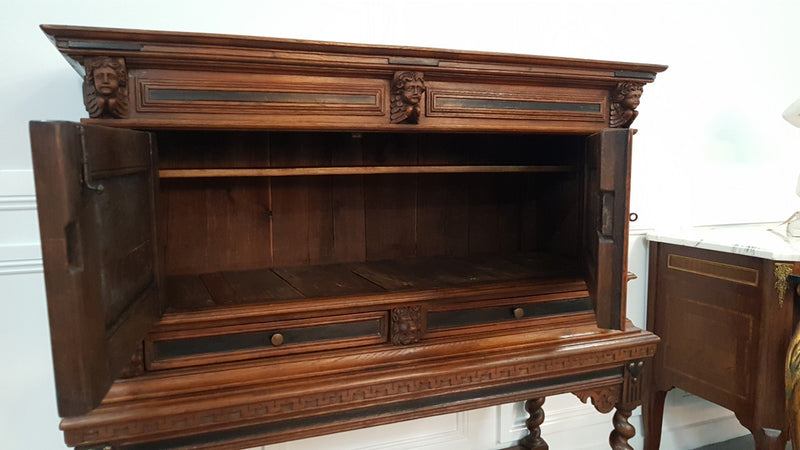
x=725 y=327
x=708 y=311
x=96 y=200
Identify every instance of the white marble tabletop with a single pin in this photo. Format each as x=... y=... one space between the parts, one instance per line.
x=762 y=240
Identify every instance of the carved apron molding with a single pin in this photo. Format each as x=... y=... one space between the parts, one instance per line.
x=603 y=399
x=408 y=89
x=105 y=87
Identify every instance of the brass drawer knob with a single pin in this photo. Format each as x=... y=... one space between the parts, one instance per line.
x=277 y=339
x=519 y=313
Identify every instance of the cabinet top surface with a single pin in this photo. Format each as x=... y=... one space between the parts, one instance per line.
x=761 y=240
x=77 y=42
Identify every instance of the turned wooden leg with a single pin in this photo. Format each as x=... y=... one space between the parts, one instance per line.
x=652 y=416
x=534 y=441
x=623 y=430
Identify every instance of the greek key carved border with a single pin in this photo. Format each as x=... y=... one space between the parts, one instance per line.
x=339 y=398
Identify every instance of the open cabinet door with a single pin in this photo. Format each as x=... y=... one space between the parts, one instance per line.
x=606 y=224
x=95 y=189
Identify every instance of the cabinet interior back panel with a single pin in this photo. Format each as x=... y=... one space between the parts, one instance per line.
x=236 y=223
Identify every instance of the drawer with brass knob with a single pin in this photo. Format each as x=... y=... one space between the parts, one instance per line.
x=496 y=315
x=172 y=349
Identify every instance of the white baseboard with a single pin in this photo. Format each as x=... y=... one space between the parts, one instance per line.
x=17 y=202
x=20 y=266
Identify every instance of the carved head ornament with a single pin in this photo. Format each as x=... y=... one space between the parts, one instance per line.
x=407 y=91
x=105 y=87
x=406 y=325
x=624 y=101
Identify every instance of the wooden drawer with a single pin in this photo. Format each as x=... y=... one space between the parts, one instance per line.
x=505 y=313
x=173 y=349
x=403 y=324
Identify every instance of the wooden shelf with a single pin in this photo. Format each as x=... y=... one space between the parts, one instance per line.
x=191 y=292
x=354 y=170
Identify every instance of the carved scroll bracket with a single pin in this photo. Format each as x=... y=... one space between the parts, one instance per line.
x=408 y=89
x=603 y=399
x=624 y=101
x=629 y=393
x=105 y=87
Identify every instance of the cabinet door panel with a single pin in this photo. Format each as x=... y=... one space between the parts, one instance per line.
x=95 y=190
x=606 y=224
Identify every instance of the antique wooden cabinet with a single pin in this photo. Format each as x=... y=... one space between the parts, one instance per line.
x=256 y=240
x=722 y=301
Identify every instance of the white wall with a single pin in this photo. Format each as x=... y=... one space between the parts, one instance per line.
x=712 y=149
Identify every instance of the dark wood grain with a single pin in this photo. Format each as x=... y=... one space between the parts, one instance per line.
x=99 y=245
x=325 y=268
x=606 y=223
x=725 y=336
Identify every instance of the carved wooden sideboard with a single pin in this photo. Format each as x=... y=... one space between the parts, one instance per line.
x=256 y=240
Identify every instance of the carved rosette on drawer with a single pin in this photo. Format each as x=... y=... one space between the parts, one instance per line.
x=624 y=101
x=407 y=325
x=407 y=93
x=105 y=87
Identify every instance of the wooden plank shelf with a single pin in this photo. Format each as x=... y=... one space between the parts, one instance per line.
x=240 y=287
x=355 y=170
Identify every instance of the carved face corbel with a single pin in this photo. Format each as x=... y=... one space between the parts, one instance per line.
x=105 y=87
x=406 y=325
x=407 y=92
x=624 y=101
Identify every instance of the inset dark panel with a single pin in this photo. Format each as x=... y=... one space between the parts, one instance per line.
x=191 y=95
x=256 y=94
x=482 y=102
x=276 y=336
x=520 y=105
x=478 y=316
